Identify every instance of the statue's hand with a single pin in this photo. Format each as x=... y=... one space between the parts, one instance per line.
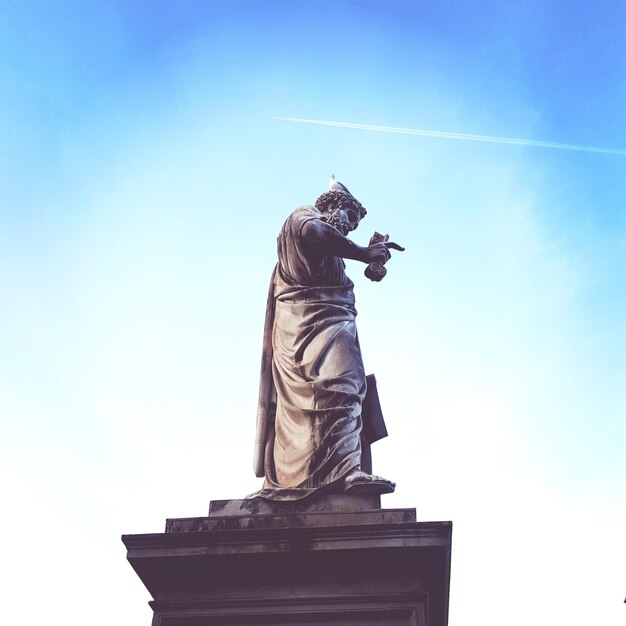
x=379 y=252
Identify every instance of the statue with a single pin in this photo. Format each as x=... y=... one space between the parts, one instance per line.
x=313 y=392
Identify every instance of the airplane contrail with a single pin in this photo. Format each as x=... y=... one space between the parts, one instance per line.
x=441 y=134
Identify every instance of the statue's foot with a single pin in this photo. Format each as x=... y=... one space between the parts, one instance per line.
x=358 y=481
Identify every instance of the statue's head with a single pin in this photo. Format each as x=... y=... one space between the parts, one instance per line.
x=340 y=208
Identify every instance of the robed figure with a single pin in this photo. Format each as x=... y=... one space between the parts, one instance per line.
x=313 y=385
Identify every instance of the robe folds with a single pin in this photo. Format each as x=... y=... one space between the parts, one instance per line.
x=312 y=377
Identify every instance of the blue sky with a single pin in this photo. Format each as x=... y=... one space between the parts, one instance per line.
x=141 y=191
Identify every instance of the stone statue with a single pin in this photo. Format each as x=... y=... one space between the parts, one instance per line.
x=313 y=384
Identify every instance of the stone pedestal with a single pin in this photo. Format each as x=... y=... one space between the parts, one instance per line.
x=336 y=559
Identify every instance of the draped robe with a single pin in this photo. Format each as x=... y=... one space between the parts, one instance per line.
x=312 y=376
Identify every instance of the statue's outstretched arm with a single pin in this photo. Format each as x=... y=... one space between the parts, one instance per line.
x=321 y=239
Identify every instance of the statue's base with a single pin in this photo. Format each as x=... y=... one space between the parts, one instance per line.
x=338 y=560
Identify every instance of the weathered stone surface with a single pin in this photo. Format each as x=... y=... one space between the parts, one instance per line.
x=348 y=567
x=313 y=504
x=296 y=520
